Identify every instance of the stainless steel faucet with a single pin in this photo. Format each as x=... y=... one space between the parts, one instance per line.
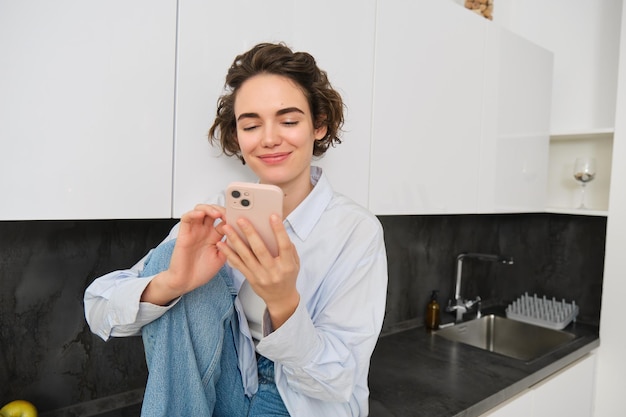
x=462 y=306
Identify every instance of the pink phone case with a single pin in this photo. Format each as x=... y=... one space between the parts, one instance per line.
x=256 y=203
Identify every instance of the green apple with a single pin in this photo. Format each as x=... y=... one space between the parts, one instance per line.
x=18 y=408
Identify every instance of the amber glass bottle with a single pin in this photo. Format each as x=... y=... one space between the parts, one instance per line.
x=433 y=312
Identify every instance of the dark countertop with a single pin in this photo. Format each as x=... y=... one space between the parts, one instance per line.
x=414 y=373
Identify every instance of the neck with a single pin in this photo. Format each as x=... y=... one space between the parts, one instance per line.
x=294 y=195
x=295 y=191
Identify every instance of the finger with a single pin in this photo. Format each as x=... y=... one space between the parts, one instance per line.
x=210 y=216
x=256 y=242
x=233 y=259
x=213 y=211
x=191 y=216
x=189 y=219
x=235 y=242
x=282 y=238
x=225 y=249
x=220 y=228
x=199 y=224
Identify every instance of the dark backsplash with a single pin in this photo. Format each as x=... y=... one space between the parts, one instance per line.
x=555 y=255
x=47 y=353
x=49 y=356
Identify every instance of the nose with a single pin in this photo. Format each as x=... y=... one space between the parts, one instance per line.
x=271 y=136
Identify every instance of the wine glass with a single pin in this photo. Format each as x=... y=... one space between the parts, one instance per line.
x=584 y=171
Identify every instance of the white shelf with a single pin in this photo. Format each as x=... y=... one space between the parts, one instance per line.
x=606 y=133
x=579 y=212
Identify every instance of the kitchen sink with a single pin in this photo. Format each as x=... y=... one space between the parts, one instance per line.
x=507 y=337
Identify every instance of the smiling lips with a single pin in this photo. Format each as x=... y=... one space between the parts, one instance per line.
x=274 y=158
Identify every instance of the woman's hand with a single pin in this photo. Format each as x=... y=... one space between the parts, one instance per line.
x=272 y=278
x=195 y=259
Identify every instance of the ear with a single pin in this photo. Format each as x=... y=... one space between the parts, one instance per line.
x=322 y=129
x=320 y=132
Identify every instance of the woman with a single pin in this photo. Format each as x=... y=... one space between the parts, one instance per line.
x=230 y=330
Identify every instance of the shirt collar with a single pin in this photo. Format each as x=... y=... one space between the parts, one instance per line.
x=305 y=216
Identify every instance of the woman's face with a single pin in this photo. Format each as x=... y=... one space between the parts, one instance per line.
x=275 y=130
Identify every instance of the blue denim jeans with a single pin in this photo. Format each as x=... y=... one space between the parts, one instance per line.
x=192 y=356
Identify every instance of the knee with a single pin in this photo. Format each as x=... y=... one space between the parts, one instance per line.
x=159 y=259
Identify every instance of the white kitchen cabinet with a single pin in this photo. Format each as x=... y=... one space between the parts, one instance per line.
x=106 y=106
x=428 y=94
x=461 y=114
x=516 y=124
x=212 y=33
x=586 y=50
x=584 y=36
x=568 y=392
x=86 y=104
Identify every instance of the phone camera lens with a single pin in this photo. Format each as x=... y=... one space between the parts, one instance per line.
x=245 y=202
x=235 y=194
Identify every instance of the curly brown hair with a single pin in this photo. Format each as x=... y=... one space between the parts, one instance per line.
x=325 y=103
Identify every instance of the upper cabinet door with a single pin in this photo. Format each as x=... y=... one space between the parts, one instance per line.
x=87 y=95
x=428 y=94
x=211 y=34
x=343 y=45
x=584 y=36
x=516 y=124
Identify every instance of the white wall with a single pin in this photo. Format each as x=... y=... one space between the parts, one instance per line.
x=612 y=353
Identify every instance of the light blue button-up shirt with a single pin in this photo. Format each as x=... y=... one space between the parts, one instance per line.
x=322 y=352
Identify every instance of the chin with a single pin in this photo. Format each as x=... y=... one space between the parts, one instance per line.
x=281 y=173
x=273 y=174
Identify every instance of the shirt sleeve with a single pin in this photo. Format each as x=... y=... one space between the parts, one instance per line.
x=326 y=345
x=112 y=301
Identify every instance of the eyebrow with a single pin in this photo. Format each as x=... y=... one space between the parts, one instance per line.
x=278 y=113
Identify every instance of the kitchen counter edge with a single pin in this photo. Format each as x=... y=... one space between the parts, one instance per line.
x=414 y=373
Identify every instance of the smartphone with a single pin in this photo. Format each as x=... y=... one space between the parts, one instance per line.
x=256 y=203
